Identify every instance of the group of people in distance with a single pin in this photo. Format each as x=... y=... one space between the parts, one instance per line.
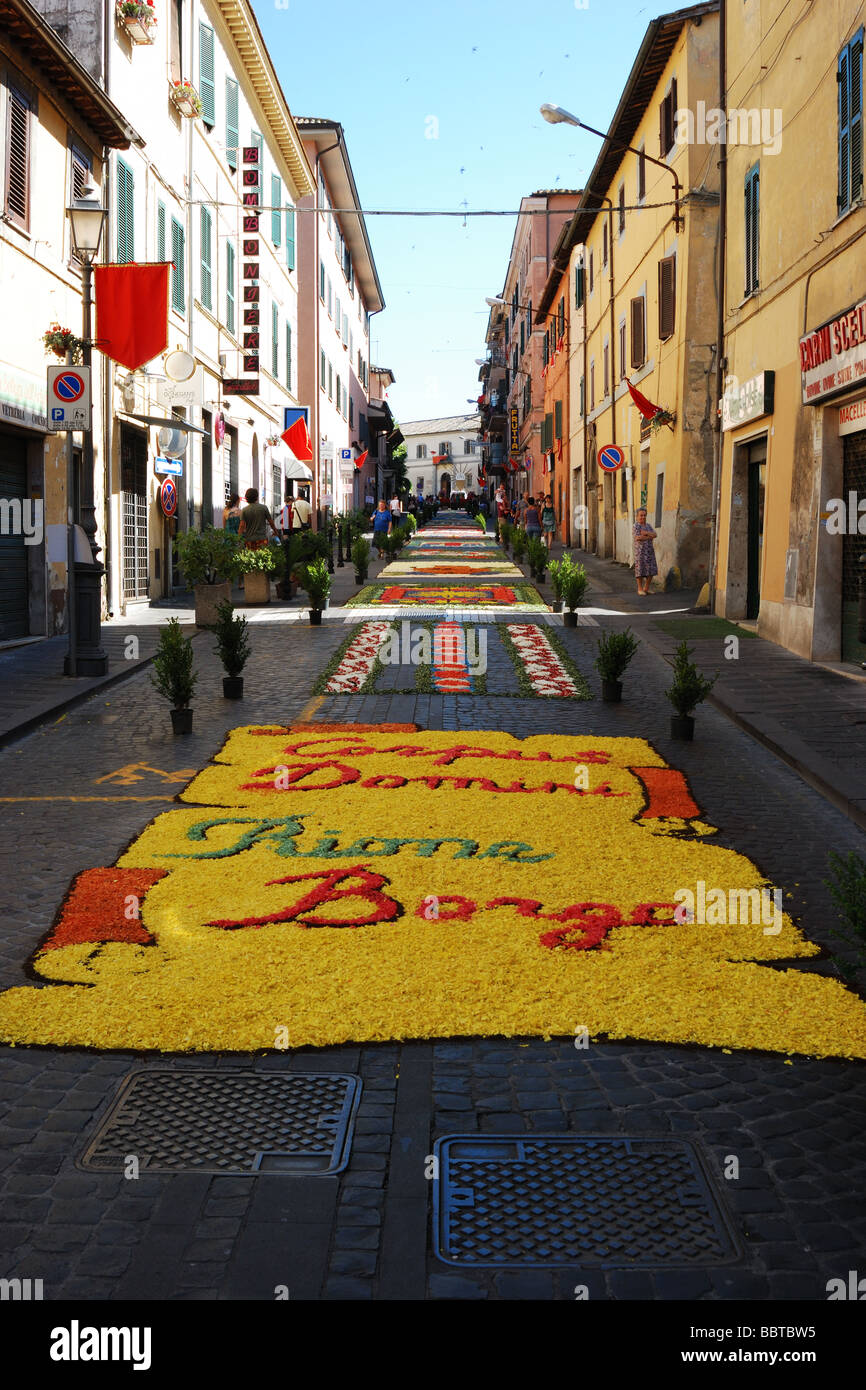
x=253 y=521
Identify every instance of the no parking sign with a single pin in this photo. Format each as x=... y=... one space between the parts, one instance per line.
x=168 y=496
x=611 y=457
x=69 y=398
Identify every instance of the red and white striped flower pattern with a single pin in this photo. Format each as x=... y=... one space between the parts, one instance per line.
x=358 y=661
x=450 y=672
x=547 y=674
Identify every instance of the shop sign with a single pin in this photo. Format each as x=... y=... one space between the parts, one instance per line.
x=852 y=417
x=22 y=399
x=748 y=400
x=834 y=355
x=515 y=431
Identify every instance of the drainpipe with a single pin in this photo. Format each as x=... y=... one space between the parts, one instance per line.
x=315 y=433
x=718 y=437
x=107 y=364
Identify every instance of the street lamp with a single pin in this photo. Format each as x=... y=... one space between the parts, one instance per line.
x=86 y=657
x=557 y=115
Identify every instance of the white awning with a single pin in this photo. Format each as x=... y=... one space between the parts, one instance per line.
x=299 y=471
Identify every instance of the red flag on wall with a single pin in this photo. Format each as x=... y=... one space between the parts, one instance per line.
x=646 y=408
x=131 y=312
x=297 y=436
x=361 y=459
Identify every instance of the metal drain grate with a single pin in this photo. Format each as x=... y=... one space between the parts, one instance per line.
x=589 y=1201
x=228 y=1122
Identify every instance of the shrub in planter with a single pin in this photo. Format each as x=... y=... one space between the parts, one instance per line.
x=506 y=533
x=316 y=583
x=689 y=688
x=232 y=648
x=519 y=541
x=538 y=557
x=615 y=651
x=556 y=568
x=361 y=558
x=173 y=674
x=256 y=568
x=574 y=582
x=207 y=560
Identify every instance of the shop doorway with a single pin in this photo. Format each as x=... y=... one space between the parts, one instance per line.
x=207 y=507
x=133 y=502
x=14 y=588
x=853 y=546
x=757 y=474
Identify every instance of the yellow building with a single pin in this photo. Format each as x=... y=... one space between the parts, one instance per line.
x=647 y=292
x=794 y=409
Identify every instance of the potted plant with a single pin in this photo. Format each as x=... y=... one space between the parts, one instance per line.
x=538 y=556
x=207 y=561
x=518 y=544
x=232 y=648
x=361 y=559
x=173 y=674
x=556 y=568
x=256 y=567
x=137 y=18
x=574 y=581
x=186 y=98
x=615 y=651
x=62 y=340
x=689 y=688
x=316 y=583
x=506 y=531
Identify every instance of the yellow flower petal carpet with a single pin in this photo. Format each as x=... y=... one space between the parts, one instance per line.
x=349 y=883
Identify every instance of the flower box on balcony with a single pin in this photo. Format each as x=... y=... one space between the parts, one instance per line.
x=138 y=19
x=186 y=99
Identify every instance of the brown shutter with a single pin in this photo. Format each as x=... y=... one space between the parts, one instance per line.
x=18 y=160
x=638 y=336
x=662 y=127
x=667 y=297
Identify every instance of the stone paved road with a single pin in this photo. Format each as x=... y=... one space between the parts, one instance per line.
x=797 y=1129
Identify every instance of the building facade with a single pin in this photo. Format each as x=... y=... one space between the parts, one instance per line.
x=793 y=474
x=443 y=456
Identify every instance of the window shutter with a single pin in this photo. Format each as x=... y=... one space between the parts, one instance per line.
x=855 y=112
x=207 y=86
x=160 y=232
x=206 y=276
x=638 y=336
x=80 y=170
x=125 y=213
x=662 y=127
x=557 y=418
x=604 y=244
x=230 y=287
x=275 y=340
x=641 y=176
x=667 y=296
x=233 y=138
x=579 y=287
x=289 y=356
x=522 y=337
x=276 y=205
x=842 y=77
x=622 y=207
x=591 y=271
x=290 y=236
x=672 y=118
x=178 y=277
x=752 y=209
x=18 y=159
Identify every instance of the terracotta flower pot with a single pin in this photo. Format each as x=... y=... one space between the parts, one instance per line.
x=683 y=727
x=181 y=721
x=257 y=587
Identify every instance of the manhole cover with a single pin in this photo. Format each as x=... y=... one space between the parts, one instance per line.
x=589 y=1201
x=229 y=1122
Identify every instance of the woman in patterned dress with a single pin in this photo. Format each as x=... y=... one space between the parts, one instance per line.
x=644 y=552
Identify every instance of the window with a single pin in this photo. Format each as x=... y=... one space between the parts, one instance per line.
x=160 y=231
x=606 y=369
x=850 y=81
x=351 y=412
x=330 y=298
x=579 y=286
x=592 y=385
x=338 y=314
x=604 y=244
x=81 y=166
x=522 y=338
x=323 y=371
x=230 y=287
x=547 y=433
x=668 y=120
x=125 y=213
x=276 y=206
x=233 y=138
x=421 y=483
x=339 y=395
x=527 y=397
x=349 y=269
x=641 y=175
x=420 y=451
x=176 y=40
x=582 y=395
x=178 y=266
x=667 y=296
x=591 y=271
x=623 y=490
x=621 y=208
x=660 y=497
x=322 y=281
x=638 y=331
x=330 y=382
x=445 y=448
x=752 y=196
x=289 y=355
x=345 y=330
x=206 y=83
x=275 y=340
x=545 y=351
x=557 y=419
x=622 y=350
x=290 y=236
x=206 y=275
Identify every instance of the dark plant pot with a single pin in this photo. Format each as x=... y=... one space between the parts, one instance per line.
x=316 y=617
x=233 y=687
x=181 y=721
x=569 y=618
x=611 y=692
x=557 y=605
x=683 y=727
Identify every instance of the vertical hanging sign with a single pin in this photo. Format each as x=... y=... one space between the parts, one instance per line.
x=252 y=192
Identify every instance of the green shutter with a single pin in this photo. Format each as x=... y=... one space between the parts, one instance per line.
x=232 y=129
x=160 y=231
x=275 y=340
x=557 y=418
x=289 y=356
x=290 y=236
x=206 y=84
x=178 y=276
x=230 y=287
x=125 y=213
x=206 y=272
x=579 y=286
x=276 y=203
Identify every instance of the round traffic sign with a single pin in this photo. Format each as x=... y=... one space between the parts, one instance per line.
x=69 y=387
x=611 y=457
x=168 y=496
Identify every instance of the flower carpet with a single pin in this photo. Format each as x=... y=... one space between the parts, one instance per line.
x=519 y=597
x=327 y=883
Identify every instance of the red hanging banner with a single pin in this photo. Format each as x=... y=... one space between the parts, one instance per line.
x=131 y=312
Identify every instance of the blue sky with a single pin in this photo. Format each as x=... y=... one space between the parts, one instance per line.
x=482 y=68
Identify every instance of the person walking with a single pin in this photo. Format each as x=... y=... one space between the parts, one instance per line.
x=303 y=513
x=383 y=522
x=255 y=520
x=232 y=514
x=532 y=518
x=644 y=552
x=548 y=521
x=396 y=509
